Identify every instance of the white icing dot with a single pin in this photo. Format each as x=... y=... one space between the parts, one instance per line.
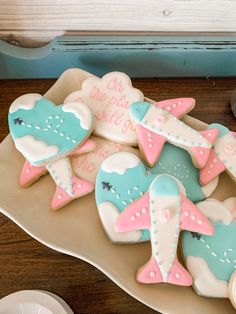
x=59 y=196
x=149 y=145
x=149 y=134
x=79 y=186
x=174 y=105
x=144 y=210
x=209 y=134
x=177 y=275
x=138 y=214
x=168 y=108
x=186 y=213
x=152 y=274
x=180 y=103
x=28 y=170
x=193 y=217
x=200 y=222
x=209 y=171
x=214 y=160
x=149 y=140
x=132 y=218
x=201 y=152
x=211 y=166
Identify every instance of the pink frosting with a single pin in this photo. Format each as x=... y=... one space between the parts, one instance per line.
x=178 y=106
x=81 y=187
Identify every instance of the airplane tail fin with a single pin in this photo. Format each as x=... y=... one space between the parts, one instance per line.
x=80 y=188
x=212 y=169
x=150 y=273
x=200 y=156
x=30 y=174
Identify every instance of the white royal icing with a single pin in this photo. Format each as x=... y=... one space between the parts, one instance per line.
x=86 y=165
x=26 y=102
x=109 y=214
x=165 y=228
x=216 y=211
x=205 y=282
x=109 y=98
x=172 y=128
x=225 y=149
x=120 y=162
x=61 y=173
x=210 y=187
x=35 y=150
x=82 y=112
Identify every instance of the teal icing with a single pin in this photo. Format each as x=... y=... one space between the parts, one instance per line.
x=222 y=241
x=134 y=180
x=37 y=116
x=222 y=129
x=177 y=162
x=164 y=185
x=138 y=110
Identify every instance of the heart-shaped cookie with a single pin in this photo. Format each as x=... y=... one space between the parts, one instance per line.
x=121 y=179
x=109 y=98
x=115 y=189
x=44 y=132
x=212 y=260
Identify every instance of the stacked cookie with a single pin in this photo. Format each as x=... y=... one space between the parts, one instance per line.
x=145 y=194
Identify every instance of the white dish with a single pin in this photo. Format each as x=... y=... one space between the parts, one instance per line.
x=77 y=231
x=33 y=302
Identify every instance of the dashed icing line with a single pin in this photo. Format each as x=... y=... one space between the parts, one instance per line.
x=226 y=260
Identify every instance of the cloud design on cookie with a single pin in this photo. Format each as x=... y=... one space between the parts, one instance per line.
x=109 y=98
x=120 y=163
x=35 y=122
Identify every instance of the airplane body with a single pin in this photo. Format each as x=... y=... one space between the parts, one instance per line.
x=158 y=123
x=222 y=157
x=165 y=211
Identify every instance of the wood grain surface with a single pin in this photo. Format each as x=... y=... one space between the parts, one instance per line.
x=27 y=264
x=39 y=21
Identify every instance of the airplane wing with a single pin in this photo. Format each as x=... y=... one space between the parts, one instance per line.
x=150 y=143
x=192 y=219
x=178 y=106
x=136 y=216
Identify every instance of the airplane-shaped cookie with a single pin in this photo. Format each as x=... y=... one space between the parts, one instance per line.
x=46 y=135
x=165 y=211
x=222 y=156
x=159 y=122
x=30 y=173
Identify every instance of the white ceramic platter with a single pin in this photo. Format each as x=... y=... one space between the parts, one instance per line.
x=76 y=230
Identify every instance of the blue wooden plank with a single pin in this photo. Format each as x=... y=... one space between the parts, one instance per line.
x=138 y=56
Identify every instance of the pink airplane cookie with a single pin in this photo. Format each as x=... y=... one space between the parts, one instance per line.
x=165 y=211
x=159 y=123
x=46 y=135
x=222 y=157
x=30 y=173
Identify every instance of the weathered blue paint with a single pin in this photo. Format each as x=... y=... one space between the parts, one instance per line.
x=138 y=56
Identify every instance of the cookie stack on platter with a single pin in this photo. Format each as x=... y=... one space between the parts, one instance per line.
x=145 y=194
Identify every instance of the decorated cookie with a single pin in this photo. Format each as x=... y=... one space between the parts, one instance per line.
x=222 y=157
x=46 y=134
x=159 y=122
x=86 y=166
x=212 y=260
x=109 y=98
x=115 y=189
x=165 y=211
x=121 y=179
x=178 y=163
x=30 y=173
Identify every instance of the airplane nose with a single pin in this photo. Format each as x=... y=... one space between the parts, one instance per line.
x=138 y=110
x=164 y=185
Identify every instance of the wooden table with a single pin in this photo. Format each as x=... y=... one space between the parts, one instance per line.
x=27 y=264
